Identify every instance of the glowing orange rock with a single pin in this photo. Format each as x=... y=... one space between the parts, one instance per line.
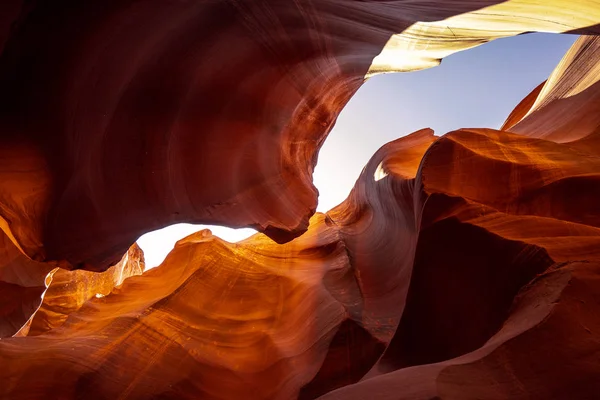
x=69 y=290
x=254 y=319
x=36 y=296
x=459 y=267
x=121 y=118
x=564 y=108
x=22 y=284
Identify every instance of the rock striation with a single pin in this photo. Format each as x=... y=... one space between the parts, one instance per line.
x=462 y=266
x=119 y=118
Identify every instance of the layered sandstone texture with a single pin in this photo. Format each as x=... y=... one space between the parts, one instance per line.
x=461 y=266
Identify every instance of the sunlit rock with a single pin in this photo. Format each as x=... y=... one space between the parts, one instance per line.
x=462 y=266
x=118 y=118
x=22 y=285
x=39 y=296
x=254 y=319
x=69 y=290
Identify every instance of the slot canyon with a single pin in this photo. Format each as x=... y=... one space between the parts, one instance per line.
x=462 y=265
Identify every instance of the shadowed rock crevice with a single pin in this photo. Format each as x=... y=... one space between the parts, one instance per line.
x=460 y=294
x=137 y=118
x=462 y=266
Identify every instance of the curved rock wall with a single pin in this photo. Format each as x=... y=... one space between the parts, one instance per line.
x=123 y=117
x=463 y=266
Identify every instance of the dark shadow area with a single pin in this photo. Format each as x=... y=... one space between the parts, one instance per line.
x=463 y=283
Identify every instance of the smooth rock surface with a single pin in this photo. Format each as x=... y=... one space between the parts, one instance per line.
x=462 y=266
x=119 y=118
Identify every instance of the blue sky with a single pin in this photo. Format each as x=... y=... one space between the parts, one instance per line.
x=473 y=88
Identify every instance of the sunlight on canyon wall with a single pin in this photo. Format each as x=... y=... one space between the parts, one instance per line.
x=468 y=269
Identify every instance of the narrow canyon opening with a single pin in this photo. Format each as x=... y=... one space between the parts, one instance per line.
x=450 y=239
x=473 y=88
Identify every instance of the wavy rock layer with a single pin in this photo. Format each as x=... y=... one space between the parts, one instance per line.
x=118 y=118
x=22 y=285
x=69 y=290
x=219 y=320
x=507 y=304
x=461 y=267
x=37 y=297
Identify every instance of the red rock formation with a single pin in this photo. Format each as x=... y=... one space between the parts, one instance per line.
x=546 y=349
x=565 y=108
x=123 y=117
x=459 y=267
x=242 y=316
x=36 y=297
x=526 y=222
x=69 y=290
x=22 y=284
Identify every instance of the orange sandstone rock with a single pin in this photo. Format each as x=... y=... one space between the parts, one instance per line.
x=459 y=267
x=118 y=118
x=69 y=290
